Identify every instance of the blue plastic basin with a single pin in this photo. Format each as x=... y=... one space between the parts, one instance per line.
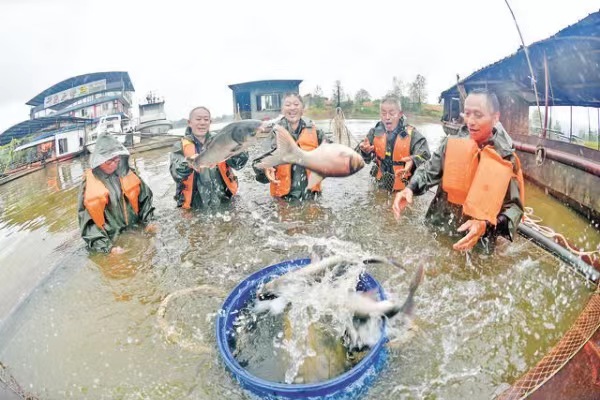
x=348 y=385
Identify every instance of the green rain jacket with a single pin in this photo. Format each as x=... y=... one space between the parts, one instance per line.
x=102 y=240
x=419 y=149
x=209 y=187
x=299 y=189
x=450 y=216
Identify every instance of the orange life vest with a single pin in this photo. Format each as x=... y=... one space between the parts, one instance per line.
x=401 y=150
x=189 y=150
x=308 y=141
x=478 y=179
x=96 y=196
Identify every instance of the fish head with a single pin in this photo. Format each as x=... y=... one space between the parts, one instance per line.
x=241 y=131
x=356 y=162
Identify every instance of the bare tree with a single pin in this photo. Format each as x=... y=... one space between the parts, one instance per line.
x=361 y=96
x=418 y=93
x=338 y=93
x=397 y=88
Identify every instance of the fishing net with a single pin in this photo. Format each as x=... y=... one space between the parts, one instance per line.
x=8 y=382
x=341 y=133
x=578 y=335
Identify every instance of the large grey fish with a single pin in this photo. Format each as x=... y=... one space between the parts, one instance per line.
x=327 y=160
x=233 y=139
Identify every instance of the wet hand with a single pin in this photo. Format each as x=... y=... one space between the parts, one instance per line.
x=270 y=174
x=366 y=146
x=475 y=228
x=117 y=250
x=403 y=198
x=408 y=164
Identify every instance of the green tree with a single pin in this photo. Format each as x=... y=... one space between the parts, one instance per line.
x=557 y=127
x=317 y=98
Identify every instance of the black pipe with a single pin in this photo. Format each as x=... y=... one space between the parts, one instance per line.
x=565 y=255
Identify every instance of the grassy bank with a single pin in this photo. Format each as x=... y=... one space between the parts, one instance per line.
x=426 y=112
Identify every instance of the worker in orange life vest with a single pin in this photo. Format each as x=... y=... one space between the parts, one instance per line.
x=398 y=148
x=479 y=177
x=112 y=197
x=207 y=186
x=290 y=181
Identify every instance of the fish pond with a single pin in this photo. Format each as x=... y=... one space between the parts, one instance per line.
x=81 y=326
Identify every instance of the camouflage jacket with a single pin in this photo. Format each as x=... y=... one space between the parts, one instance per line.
x=450 y=216
x=209 y=187
x=299 y=177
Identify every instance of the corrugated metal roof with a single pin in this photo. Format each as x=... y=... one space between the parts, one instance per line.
x=573 y=56
x=111 y=76
x=267 y=84
x=31 y=126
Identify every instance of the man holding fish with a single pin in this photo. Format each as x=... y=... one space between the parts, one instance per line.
x=301 y=156
x=203 y=162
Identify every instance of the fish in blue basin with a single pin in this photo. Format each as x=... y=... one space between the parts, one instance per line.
x=327 y=354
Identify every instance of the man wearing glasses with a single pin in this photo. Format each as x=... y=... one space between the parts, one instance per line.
x=398 y=148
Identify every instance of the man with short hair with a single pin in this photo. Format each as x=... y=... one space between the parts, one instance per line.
x=206 y=186
x=479 y=177
x=398 y=148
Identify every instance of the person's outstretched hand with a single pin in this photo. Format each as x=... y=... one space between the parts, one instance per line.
x=403 y=198
x=475 y=228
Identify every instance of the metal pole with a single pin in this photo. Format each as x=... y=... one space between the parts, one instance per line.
x=571 y=126
x=598 y=131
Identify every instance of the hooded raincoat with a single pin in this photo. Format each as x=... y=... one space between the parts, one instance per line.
x=209 y=188
x=119 y=214
x=450 y=216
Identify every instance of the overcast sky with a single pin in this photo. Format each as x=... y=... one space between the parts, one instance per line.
x=190 y=51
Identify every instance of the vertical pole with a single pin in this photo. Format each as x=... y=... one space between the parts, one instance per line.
x=598 y=131
x=571 y=125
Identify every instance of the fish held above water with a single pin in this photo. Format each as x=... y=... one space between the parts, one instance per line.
x=327 y=160
x=233 y=139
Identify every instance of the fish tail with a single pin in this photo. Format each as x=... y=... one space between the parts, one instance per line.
x=286 y=152
x=383 y=260
x=408 y=305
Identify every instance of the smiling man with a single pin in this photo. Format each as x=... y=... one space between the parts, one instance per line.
x=479 y=178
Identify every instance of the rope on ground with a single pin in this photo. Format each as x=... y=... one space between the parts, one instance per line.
x=171 y=333
x=532 y=221
x=340 y=131
x=10 y=383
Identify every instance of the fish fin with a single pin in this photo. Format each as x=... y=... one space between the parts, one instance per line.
x=286 y=152
x=314 y=179
x=417 y=279
x=392 y=312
